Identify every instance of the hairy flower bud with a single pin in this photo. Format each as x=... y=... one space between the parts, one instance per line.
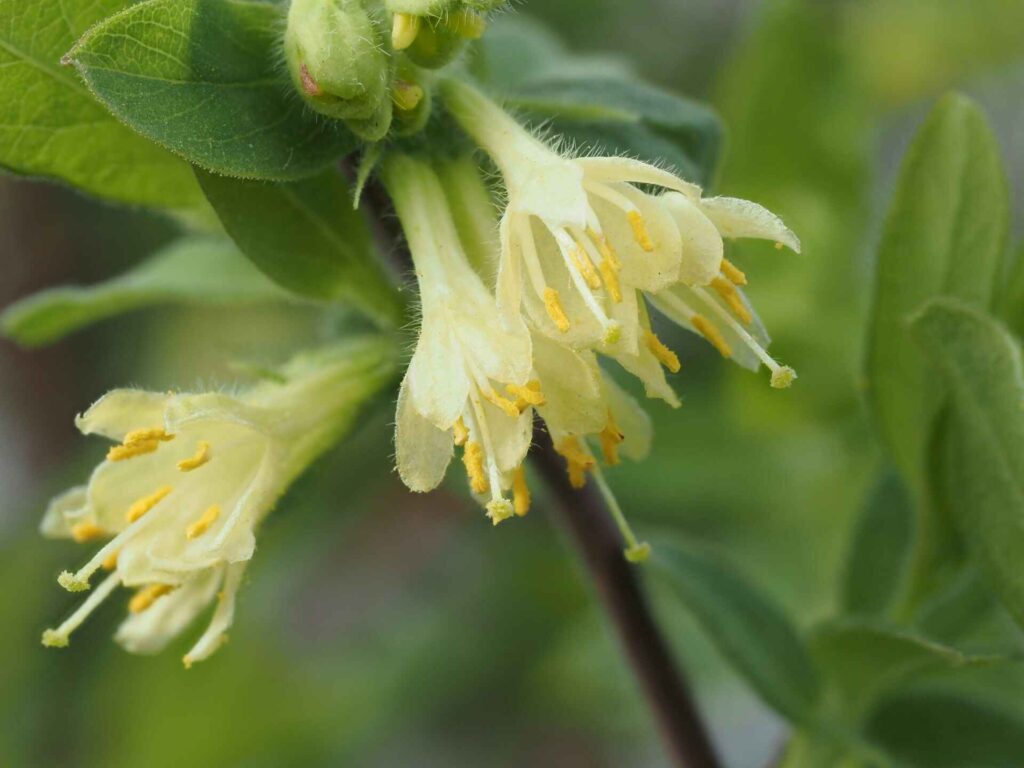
x=337 y=53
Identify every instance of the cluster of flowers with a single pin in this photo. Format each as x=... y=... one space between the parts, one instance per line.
x=517 y=309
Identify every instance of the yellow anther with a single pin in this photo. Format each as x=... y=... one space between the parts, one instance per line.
x=732 y=297
x=146 y=503
x=734 y=273
x=145 y=435
x=406 y=96
x=585 y=267
x=124 y=452
x=506 y=405
x=710 y=332
x=553 y=304
x=578 y=459
x=520 y=492
x=110 y=562
x=604 y=248
x=82 y=532
x=202 y=525
x=146 y=596
x=201 y=456
x=779 y=246
x=461 y=432
x=665 y=356
x=611 y=281
x=404 y=29
x=529 y=395
x=643 y=238
x=611 y=439
x=468 y=24
x=473 y=458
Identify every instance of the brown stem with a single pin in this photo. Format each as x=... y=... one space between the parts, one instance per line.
x=586 y=517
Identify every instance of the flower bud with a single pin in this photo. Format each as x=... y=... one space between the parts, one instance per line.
x=337 y=53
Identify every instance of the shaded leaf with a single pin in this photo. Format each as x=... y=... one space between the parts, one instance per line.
x=984 y=471
x=1012 y=299
x=203 y=78
x=54 y=128
x=193 y=270
x=945 y=235
x=305 y=236
x=749 y=629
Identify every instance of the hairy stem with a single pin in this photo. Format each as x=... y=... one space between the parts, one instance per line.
x=588 y=521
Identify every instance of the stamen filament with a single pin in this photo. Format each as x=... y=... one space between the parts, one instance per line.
x=727 y=290
x=636 y=552
x=58 y=638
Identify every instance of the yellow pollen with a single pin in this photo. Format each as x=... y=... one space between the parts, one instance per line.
x=110 y=562
x=508 y=406
x=710 y=332
x=779 y=246
x=731 y=296
x=404 y=29
x=734 y=273
x=82 y=532
x=529 y=395
x=202 y=456
x=643 y=238
x=611 y=439
x=146 y=503
x=611 y=281
x=665 y=356
x=553 y=304
x=473 y=458
x=604 y=248
x=202 y=525
x=520 y=492
x=145 y=435
x=461 y=432
x=578 y=459
x=146 y=596
x=406 y=96
x=585 y=267
x=124 y=452
x=468 y=24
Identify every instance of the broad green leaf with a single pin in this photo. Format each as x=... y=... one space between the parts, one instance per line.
x=862 y=659
x=623 y=115
x=957 y=608
x=193 y=270
x=54 y=128
x=940 y=729
x=746 y=626
x=984 y=471
x=945 y=236
x=882 y=545
x=203 y=78
x=1012 y=299
x=305 y=236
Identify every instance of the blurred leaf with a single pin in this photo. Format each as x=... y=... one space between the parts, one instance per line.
x=882 y=546
x=750 y=631
x=984 y=470
x=203 y=78
x=622 y=115
x=1012 y=299
x=957 y=608
x=54 y=128
x=305 y=236
x=945 y=235
x=192 y=270
x=861 y=659
x=945 y=730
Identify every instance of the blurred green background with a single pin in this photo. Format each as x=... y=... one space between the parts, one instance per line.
x=381 y=629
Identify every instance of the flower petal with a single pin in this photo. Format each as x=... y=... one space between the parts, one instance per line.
x=612 y=169
x=702 y=247
x=741 y=218
x=422 y=451
x=121 y=411
x=151 y=630
x=631 y=419
x=437 y=379
x=63 y=512
x=572 y=388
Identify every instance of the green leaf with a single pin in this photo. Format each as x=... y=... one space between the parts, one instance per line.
x=984 y=470
x=881 y=551
x=939 y=729
x=193 y=270
x=54 y=128
x=619 y=115
x=750 y=630
x=945 y=236
x=862 y=659
x=958 y=608
x=203 y=78
x=1012 y=299
x=305 y=236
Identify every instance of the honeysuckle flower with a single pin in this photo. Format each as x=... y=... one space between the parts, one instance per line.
x=177 y=500
x=582 y=246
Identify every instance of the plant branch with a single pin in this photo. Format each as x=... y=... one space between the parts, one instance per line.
x=587 y=519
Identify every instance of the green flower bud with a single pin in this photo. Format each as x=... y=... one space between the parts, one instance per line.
x=440 y=7
x=412 y=99
x=337 y=53
x=440 y=39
